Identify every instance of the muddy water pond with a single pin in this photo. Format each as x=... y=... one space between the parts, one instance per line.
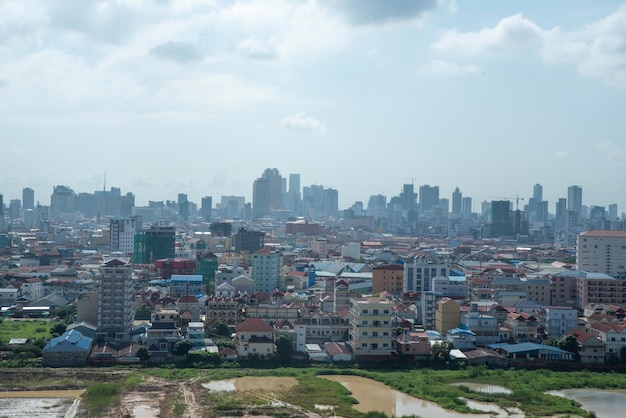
x=252 y=383
x=605 y=403
x=47 y=403
x=375 y=396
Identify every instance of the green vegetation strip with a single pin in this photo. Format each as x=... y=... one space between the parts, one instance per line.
x=99 y=396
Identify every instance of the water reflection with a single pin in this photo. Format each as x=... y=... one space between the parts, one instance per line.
x=375 y=396
x=484 y=388
x=605 y=403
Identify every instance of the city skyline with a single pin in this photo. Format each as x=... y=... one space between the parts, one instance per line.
x=359 y=96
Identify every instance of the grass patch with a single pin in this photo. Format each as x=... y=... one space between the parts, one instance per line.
x=35 y=330
x=100 y=396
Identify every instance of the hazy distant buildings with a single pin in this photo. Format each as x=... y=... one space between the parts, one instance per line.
x=63 y=200
x=267 y=193
x=206 y=208
x=575 y=201
x=457 y=197
x=28 y=198
x=232 y=207
x=320 y=202
x=377 y=206
x=428 y=197
x=293 y=195
x=500 y=213
x=248 y=241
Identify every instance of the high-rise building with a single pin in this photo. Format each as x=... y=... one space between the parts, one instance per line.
x=63 y=200
x=267 y=267
x=207 y=208
x=115 y=298
x=28 y=198
x=419 y=272
x=429 y=197
x=183 y=207
x=377 y=206
x=542 y=212
x=15 y=206
x=408 y=198
x=457 y=198
x=2 y=228
x=538 y=192
x=575 y=199
x=599 y=251
x=122 y=234
x=613 y=212
x=249 y=241
x=154 y=244
x=560 y=213
x=500 y=218
x=294 y=195
x=466 y=207
x=267 y=193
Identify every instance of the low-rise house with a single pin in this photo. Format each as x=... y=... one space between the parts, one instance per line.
x=337 y=351
x=71 y=349
x=590 y=348
x=531 y=352
x=559 y=320
x=255 y=338
x=414 y=344
x=612 y=335
x=523 y=326
x=461 y=339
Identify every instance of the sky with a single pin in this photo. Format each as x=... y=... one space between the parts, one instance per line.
x=200 y=96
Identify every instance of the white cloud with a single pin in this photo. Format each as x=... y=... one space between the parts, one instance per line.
x=597 y=50
x=255 y=49
x=559 y=154
x=176 y=51
x=511 y=33
x=451 y=69
x=301 y=122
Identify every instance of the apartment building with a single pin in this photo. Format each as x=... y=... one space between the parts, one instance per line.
x=602 y=251
x=115 y=298
x=388 y=277
x=372 y=331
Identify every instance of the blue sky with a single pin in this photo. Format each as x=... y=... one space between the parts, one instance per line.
x=199 y=97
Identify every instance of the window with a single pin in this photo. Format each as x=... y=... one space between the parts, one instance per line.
x=375 y=311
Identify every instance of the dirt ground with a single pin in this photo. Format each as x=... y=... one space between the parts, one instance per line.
x=154 y=397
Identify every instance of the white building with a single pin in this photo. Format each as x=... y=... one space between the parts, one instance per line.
x=122 y=234
x=267 y=269
x=372 y=330
x=601 y=251
x=559 y=320
x=419 y=273
x=351 y=250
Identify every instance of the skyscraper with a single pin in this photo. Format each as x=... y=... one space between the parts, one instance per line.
x=575 y=199
x=294 y=194
x=28 y=198
x=122 y=234
x=267 y=193
x=183 y=207
x=207 y=208
x=538 y=192
x=561 y=213
x=457 y=198
x=429 y=197
x=466 y=207
x=500 y=216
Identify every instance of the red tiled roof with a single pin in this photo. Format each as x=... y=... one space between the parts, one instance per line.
x=603 y=233
x=253 y=325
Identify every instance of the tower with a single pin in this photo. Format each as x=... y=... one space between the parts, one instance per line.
x=115 y=297
x=294 y=194
x=207 y=208
x=457 y=198
x=538 y=192
x=267 y=193
x=28 y=198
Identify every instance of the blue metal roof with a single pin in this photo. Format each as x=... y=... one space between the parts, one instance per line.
x=180 y=278
x=73 y=337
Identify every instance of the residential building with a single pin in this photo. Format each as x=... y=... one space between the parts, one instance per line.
x=419 y=272
x=267 y=195
x=255 y=338
x=559 y=320
x=122 y=234
x=414 y=344
x=179 y=285
x=71 y=349
x=388 y=277
x=523 y=326
x=590 y=349
x=454 y=287
x=115 y=298
x=613 y=337
x=247 y=241
x=485 y=327
x=372 y=330
x=447 y=315
x=267 y=267
x=602 y=251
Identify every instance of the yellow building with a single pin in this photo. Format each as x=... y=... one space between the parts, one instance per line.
x=389 y=277
x=447 y=315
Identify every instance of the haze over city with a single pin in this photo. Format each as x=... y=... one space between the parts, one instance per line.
x=172 y=97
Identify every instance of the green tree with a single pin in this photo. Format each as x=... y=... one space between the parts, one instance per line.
x=568 y=343
x=284 y=348
x=182 y=347
x=441 y=351
x=143 y=313
x=143 y=354
x=65 y=313
x=622 y=354
x=58 y=329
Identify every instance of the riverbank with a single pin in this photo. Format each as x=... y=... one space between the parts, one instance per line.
x=116 y=392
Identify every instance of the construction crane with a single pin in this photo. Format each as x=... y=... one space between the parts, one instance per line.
x=517 y=199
